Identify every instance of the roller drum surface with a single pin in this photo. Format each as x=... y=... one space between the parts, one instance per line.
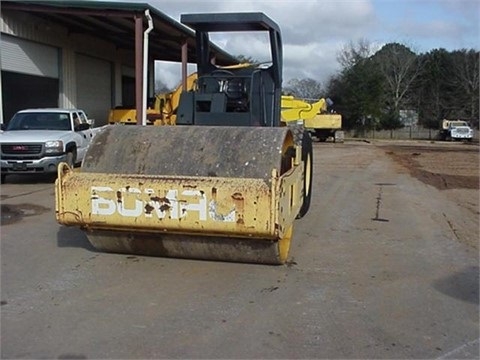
x=191 y=247
x=226 y=152
x=239 y=152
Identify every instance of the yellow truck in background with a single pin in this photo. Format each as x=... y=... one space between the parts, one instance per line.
x=316 y=118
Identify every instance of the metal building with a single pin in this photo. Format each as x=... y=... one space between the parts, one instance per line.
x=86 y=54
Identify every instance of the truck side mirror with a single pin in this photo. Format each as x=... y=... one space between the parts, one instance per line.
x=82 y=127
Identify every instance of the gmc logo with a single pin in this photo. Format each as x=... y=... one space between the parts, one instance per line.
x=19 y=148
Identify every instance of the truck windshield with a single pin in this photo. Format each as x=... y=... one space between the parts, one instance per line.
x=40 y=121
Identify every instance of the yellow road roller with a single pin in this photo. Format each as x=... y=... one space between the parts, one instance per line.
x=225 y=183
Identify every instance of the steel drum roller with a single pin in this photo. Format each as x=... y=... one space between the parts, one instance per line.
x=231 y=152
x=191 y=151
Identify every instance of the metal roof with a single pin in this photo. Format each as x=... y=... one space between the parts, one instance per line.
x=243 y=21
x=113 y=22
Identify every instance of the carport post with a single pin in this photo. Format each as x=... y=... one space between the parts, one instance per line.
x=184 y=65
x=1 y=100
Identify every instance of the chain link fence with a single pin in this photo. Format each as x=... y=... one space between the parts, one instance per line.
x=406 y=133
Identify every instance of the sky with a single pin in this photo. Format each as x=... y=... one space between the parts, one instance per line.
x=315 y=31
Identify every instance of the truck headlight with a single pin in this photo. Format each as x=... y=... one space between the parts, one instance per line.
x=53 y=147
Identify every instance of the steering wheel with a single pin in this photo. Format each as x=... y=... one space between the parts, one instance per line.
x=221 y=72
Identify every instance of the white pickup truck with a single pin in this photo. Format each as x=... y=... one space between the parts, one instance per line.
x=455 y=130
x=37 y=140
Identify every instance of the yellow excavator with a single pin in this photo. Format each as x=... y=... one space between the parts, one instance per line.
x=321 y=123
x=162 y=110
x=225 y=183
x=316 y=118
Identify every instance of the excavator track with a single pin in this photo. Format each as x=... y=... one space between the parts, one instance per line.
x=199 y=192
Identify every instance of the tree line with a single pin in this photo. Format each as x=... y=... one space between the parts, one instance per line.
x=377 y=89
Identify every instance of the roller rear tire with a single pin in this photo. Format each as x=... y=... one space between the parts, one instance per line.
x=307 y=158
x=302 y=137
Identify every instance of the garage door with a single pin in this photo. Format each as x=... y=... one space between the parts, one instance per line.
x=94 y=87
x=29 y=75
x=27 y=57
x=22 y=91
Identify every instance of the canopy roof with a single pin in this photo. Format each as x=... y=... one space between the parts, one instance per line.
x=114 y=22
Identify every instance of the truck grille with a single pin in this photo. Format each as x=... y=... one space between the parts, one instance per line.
x=19 y=151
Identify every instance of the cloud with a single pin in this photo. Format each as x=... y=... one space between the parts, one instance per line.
x=314 y=61
x=314 y=31
x=300 y=21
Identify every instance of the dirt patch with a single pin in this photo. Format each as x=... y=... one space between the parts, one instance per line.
x=453 y=169
x=11 y=214
x=442 y=166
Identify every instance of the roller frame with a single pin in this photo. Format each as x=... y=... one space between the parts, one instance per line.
x=126 y=202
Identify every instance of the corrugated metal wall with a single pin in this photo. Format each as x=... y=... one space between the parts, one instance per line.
x=28 y=57
x=92 y=98
x=37 y=33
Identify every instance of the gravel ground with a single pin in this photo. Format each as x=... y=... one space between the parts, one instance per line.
x=452 y=168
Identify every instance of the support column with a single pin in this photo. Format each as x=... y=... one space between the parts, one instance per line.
x=184 y=65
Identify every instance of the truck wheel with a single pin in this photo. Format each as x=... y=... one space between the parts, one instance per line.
x=307 y=158
x=3 y=178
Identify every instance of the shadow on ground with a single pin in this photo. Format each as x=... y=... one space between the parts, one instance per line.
x=73 y=237
x=461 y=285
